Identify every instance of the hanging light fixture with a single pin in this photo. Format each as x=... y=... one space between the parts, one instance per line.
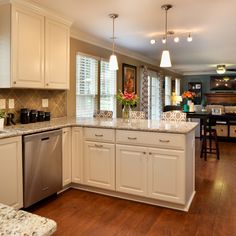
x=113 y=64
x=220 y=69
x=165 y=57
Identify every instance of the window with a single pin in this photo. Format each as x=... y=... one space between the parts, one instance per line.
x=167 y=90
x=154 y=95
x=95 y=86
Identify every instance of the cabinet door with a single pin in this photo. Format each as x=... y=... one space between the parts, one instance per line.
x=131 y=169
x=99 y=165
x=27 y=49
x=11 y=172
x=166 y=178
x=57 y=55
x=77 y=155
x=66 y=156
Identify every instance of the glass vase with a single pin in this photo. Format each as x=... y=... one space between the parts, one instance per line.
x=126 y=112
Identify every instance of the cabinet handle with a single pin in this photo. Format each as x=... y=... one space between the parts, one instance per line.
x=98 y=135
x=130 y=138
x=164 y=140
x=98 y=145
x=14 y=82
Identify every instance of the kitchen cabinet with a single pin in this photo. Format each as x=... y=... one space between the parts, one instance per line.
x=66 y=156
x=99 y=164
x=99 y=158
x=153 y=165
x=150 y=172
x=11 y=172
x=36 y=51
x=77 y=154
x=166 y=175
x=131 y=169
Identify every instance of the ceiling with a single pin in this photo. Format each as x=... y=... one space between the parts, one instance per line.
x=212 y=23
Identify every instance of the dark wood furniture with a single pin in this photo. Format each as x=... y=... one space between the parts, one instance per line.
x=221 y=98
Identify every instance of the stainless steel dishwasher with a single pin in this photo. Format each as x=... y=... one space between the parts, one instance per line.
x=42 y=165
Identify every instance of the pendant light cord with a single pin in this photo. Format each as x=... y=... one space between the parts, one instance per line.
x=113 y=36
x=166 y=28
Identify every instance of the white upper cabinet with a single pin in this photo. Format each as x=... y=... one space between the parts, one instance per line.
x=35 y=51
x=56 y=55
x=27 y=49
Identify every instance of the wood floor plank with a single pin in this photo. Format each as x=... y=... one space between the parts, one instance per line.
x=212 y=213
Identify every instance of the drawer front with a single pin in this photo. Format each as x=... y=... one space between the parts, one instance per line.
x=96 y=134
x=232 y=131
x=222 y=130
x=162 y=140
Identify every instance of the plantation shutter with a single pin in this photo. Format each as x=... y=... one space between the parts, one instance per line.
x=86 y=86
x=107 y=88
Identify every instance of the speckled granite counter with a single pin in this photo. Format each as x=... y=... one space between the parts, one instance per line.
x=140 y=125
x=21 y=223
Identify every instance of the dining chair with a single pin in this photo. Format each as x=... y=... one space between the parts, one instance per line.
x=103 y=114
x=137 y=115
x=174 y=116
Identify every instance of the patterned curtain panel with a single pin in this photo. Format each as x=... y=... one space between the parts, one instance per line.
x=144 y=91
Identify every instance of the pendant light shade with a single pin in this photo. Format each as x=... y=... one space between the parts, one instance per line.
x=113 y=64
x=165 y=59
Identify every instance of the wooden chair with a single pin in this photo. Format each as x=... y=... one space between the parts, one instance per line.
x=176 y=116
x=103 y=114
x=211 y=135
x=137 y=115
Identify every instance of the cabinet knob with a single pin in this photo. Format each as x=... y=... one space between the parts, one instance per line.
x=47 y=84
x=14 y=82
x=144 y=153
x=150 y=153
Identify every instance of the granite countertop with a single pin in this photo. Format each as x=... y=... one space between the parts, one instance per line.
x=138 y=125
x=14 y=222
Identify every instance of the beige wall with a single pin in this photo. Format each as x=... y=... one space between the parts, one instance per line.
x=80 y=46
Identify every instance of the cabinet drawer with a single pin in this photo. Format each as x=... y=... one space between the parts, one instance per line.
x=96 y=134
x=163 y=140
x=232 y=131
x=222 y=130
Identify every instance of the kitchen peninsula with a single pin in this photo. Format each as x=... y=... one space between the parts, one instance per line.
x=142 y=160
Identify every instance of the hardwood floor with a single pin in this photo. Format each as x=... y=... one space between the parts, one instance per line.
x=212 y=213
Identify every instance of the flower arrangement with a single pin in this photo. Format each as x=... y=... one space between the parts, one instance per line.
x=127 y=99
x=188 y=95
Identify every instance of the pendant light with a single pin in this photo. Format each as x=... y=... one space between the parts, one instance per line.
x=165 y=57
x=113 y=64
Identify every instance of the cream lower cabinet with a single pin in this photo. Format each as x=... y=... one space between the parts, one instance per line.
x=11 y=187
x=77 y=154
x=66 y=156
x=131 y=169
x=150 y=172
x=99 y=165
x=166 y=175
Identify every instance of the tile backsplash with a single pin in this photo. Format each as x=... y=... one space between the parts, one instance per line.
x=32 y=99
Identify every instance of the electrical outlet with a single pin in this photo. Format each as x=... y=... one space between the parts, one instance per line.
x=2 y=103
x=11 y=103
x=45 y=102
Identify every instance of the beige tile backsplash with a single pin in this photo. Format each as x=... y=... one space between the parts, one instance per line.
x=32 y=99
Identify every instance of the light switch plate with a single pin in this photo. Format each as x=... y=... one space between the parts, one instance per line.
x=45 y=102
x=11 y=103
x=2 y=103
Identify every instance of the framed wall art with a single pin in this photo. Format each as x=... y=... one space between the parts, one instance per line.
x=129 y=78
